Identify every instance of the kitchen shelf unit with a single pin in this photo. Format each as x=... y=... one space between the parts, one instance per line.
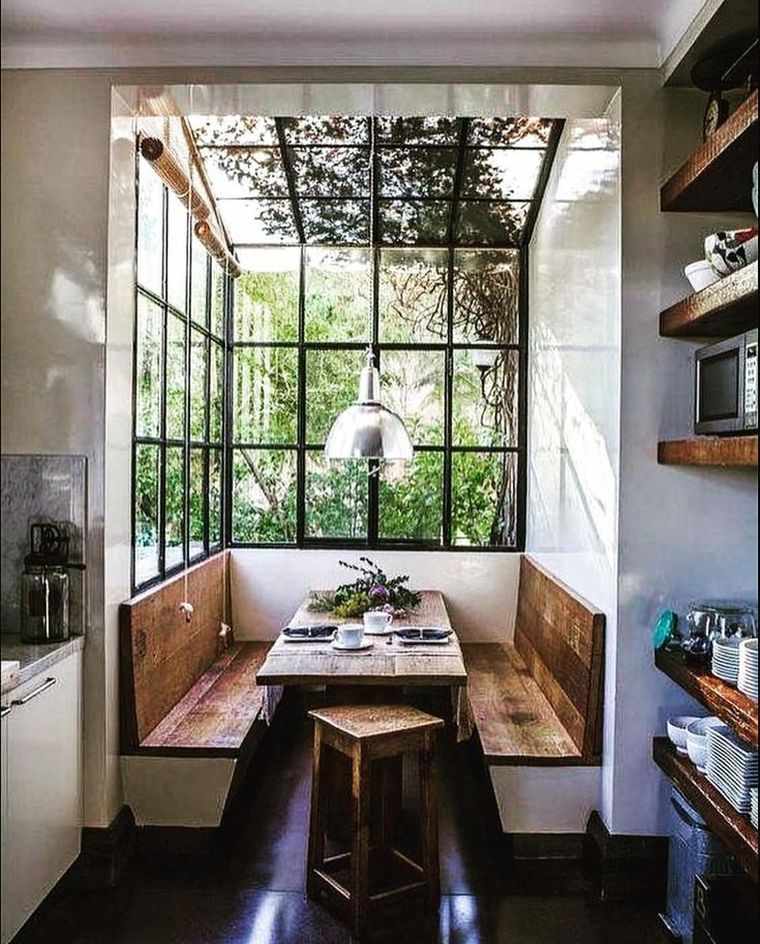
x=721 y=699
x=721 y=310
x=717 y=177
x=734 y=828
x=728 y=452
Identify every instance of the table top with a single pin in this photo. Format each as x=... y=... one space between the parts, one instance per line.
x=318 y=664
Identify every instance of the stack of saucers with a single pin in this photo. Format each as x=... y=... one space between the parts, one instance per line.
x=731 y=767
x=725 y=659
x=747 y=679
x=753 y=806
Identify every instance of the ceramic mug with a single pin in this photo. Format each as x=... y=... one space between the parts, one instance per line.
x=349 y=635
x=377 y=621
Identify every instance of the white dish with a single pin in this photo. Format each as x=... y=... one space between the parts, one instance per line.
x=701 y=275
x=361 y=648
x=677 y=731
x=696 y=740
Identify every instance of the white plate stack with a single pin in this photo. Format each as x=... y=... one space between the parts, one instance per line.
x=725 y=659
x=753 y=806
x=731 y=767
x=747 y=679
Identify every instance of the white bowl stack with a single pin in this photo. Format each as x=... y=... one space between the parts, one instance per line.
x=747 y=678
x=725 y=659
x=731 y=767
x=696 y=740
x=753 y=806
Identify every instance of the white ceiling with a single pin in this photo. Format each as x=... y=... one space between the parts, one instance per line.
x=292 y=32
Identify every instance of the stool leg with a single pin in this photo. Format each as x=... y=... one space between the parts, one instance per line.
x=429 y=826
x=316 y=852
x=360 y=792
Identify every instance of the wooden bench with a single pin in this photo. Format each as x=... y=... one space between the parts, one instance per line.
x=183 y=700
x=538 y=702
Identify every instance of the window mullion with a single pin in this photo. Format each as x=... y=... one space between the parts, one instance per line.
x=301 y=419
x=447 y=403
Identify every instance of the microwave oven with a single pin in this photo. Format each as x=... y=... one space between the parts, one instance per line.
x=726 y=387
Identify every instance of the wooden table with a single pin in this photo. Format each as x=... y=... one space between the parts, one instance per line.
x=314 y=664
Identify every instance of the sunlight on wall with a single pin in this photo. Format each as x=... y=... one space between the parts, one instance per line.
x=575 y=363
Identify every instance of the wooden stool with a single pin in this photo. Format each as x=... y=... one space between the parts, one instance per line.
x=373 y=874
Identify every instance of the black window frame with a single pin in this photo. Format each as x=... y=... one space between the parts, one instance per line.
x=164 y=442
x=448 y=347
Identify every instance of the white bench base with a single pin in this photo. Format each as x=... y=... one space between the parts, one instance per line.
x=177 y=791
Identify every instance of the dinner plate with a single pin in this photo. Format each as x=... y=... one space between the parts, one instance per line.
x=319 y=632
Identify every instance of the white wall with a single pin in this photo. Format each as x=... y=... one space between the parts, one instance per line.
x=268 y=586
x=54 y=266
x=573 y=422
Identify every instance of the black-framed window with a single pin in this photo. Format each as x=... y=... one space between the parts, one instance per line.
x=179 y=373
x=449 y=337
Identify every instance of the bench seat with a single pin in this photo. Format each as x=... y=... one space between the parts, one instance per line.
x=516 y=723
x=538 y=700
x=216 y=716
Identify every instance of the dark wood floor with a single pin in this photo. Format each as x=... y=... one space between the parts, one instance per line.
x=248 y=889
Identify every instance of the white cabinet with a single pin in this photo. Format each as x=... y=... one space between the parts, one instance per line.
x=42 y=788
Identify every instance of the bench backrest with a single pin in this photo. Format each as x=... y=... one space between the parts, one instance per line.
x=161 y=654
x=560 y=637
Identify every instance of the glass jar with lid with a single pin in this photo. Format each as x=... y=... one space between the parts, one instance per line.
x=45 y=586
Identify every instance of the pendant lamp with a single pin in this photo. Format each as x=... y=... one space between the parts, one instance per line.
x=367 y=429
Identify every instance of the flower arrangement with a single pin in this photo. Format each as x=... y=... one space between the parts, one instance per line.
x=372 y=590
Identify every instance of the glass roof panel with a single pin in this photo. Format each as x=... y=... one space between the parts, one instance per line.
x=412 y=222
x=233 y=129
x=436 y=129
x=416 y=172
x=335 y=222
x=258 y=221
x=485 y=223
x=330 y=171
x=326 y=129
x=510 y=132
x=245 y=172
x=501 y=174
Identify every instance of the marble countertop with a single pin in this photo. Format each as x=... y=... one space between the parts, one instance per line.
x=34 y=659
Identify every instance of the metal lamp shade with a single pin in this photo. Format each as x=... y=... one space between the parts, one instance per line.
x=367 y=430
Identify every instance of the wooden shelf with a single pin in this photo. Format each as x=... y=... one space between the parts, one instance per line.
x=735 y=829
x=718 y=175
x=731 y=452
x=720 y=698
x=719 y=311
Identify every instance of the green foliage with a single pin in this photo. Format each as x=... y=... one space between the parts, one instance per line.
x=372 y=589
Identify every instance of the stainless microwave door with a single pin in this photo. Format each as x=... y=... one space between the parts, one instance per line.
x=719 y=388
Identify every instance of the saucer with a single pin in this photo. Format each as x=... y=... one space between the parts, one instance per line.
x=363 y=648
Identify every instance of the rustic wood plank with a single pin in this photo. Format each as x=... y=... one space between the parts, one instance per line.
x=366 y=722
x=722 y=451
x=305 y=664
x=217 y=713
x=734 y=828
x=725 y=308
x=560 y=637
x=720 y=698
x=163 y=655
x=516 y=723
x=716 y=177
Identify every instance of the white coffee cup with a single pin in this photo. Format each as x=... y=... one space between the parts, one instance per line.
x=377 y=621
x=349 y=635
